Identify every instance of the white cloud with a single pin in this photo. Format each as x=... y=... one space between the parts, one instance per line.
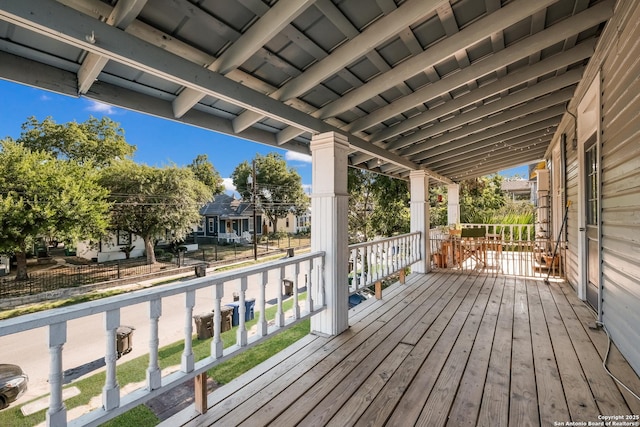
x=45 y=97
x=99 y=107
x=292 y=156
x=306 y=188
x=228 y=185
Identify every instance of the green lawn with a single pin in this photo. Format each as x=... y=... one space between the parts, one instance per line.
x=135 y=370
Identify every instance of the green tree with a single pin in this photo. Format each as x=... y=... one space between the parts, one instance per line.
x=360 y=185
x=378 y=205
x=391 y=214
x=41 y=195
x=204 y=171
x=481 y=201
x=97 y=141
x=149 y=201
x=480 y=198
x=278 y=188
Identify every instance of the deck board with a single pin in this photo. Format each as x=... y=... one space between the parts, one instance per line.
x=443 y=349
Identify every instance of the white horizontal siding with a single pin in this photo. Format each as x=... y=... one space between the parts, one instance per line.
x=621 y=188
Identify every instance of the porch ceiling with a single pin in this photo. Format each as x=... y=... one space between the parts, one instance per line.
x=459 y=87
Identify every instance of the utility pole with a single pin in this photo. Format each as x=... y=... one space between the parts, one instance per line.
x=255 y=208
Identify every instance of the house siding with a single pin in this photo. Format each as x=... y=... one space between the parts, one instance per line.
x=571 y=170
x=617 y=63
x=620 y=189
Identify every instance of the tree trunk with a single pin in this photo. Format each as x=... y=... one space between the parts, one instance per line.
x=148 y=246
x=21 y=269
x=275 y=225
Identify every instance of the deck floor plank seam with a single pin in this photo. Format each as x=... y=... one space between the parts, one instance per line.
x=607 y=396
x=552 y=404
x=385 y=402
x=443 y=349
x=616 y=363
x=466 y=405
x=523 y=403
x=281 y=391
x=310 y=400
x=436 y=409
x=494 y=409
x=579 y=398
x=417 y=391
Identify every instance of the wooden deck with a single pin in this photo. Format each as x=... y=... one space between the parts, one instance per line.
x=444 y=349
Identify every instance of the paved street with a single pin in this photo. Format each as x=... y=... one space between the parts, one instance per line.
x=86 y=337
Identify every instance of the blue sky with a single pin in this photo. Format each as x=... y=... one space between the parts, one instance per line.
x=158 y=141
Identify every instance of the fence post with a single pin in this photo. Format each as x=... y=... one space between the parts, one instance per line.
x=118 y=264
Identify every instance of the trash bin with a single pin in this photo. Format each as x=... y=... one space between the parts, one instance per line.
x=226 y=318
x=124 y=340
x=235 y=314
x=249 y=305
x=249 y=313
x=204 y=325
x=288 y=286
x=201 y=270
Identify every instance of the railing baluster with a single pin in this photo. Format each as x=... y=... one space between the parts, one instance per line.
x=310 y=286
x=296 y=305
x=262 y=321
x=242 y=312
x=279 y=273
x=364 y=268
x=216 y=342
x=187 y=362
x=111 y=389
x=57 y=413
x=154 y=378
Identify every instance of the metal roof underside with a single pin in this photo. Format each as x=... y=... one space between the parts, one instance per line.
x=461 y=88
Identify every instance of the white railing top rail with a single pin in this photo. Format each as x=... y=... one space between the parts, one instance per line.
x=382 y=240
x=374 y=261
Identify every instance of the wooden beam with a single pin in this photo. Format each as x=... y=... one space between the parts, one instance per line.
x=124 y=12
x=547 y=106
x=279 y=16
x=200 y=393
x=555 y=34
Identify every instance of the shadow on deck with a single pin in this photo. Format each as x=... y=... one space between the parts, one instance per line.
x=444 y=349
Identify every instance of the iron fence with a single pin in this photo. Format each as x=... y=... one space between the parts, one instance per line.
x=78 y=275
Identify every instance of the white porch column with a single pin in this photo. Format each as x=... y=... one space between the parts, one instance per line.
x=329 y=208
x=419 y=182
x=453 y=204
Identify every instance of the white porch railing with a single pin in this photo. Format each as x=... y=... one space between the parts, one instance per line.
x=510 y=249
x=371 y=262
x=114 y=403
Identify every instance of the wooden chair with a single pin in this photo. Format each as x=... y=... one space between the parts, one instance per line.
x=473 y=246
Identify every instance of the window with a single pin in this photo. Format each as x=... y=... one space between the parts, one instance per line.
x=212 y=225
x=124 y=237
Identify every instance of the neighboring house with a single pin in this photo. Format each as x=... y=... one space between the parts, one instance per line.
x=291 y=223
x=229 y=219
x=110 y=248
x=302 y=223
x=517 y=189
